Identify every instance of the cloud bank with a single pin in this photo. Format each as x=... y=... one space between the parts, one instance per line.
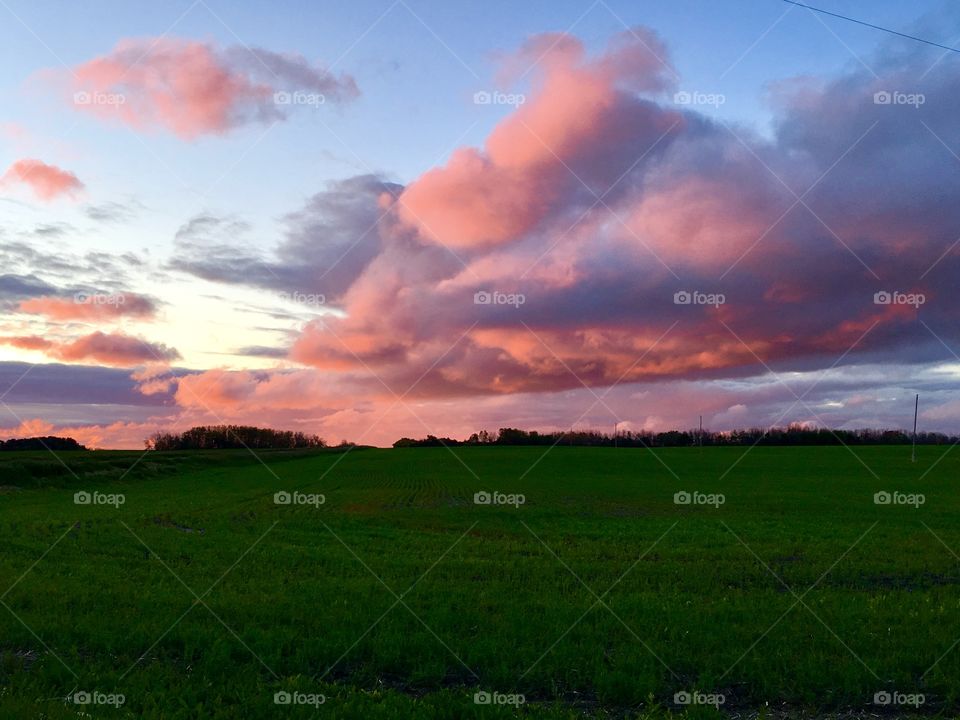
x=651 y=241
x=606 y=234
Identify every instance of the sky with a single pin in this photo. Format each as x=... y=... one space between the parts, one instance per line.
x=382 y=219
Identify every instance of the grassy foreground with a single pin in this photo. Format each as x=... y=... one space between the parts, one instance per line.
x=384 y=590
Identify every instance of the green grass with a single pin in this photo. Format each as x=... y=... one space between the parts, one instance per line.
x=400 y=597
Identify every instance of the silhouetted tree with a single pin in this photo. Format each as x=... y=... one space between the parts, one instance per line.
x=223 y=437
x=41 y=443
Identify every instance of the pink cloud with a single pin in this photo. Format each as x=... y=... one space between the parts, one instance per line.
x=27 y=342
x=113 y=349
x=119 y=434
x=153 y=378
x=91 y=307
x=27 y=428
x=231 y=392
x=193 y=88
x=703 y=222
x=538 y=158
x=47 y=182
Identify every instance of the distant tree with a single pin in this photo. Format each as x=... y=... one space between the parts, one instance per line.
x=41 y=443
x=481 y=438
x=512 y=436
x=224 y=437
x=428 y=441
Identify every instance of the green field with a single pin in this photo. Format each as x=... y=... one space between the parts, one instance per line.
x=399 y=596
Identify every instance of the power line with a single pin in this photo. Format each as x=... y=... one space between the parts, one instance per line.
x=871 y=25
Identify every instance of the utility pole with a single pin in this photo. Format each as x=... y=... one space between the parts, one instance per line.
x=700 y=434
x=916 y=408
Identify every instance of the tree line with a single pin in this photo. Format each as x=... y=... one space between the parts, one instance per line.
x=41 y=443
x=226 y=437
x=790 y=435
x=223 y=437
